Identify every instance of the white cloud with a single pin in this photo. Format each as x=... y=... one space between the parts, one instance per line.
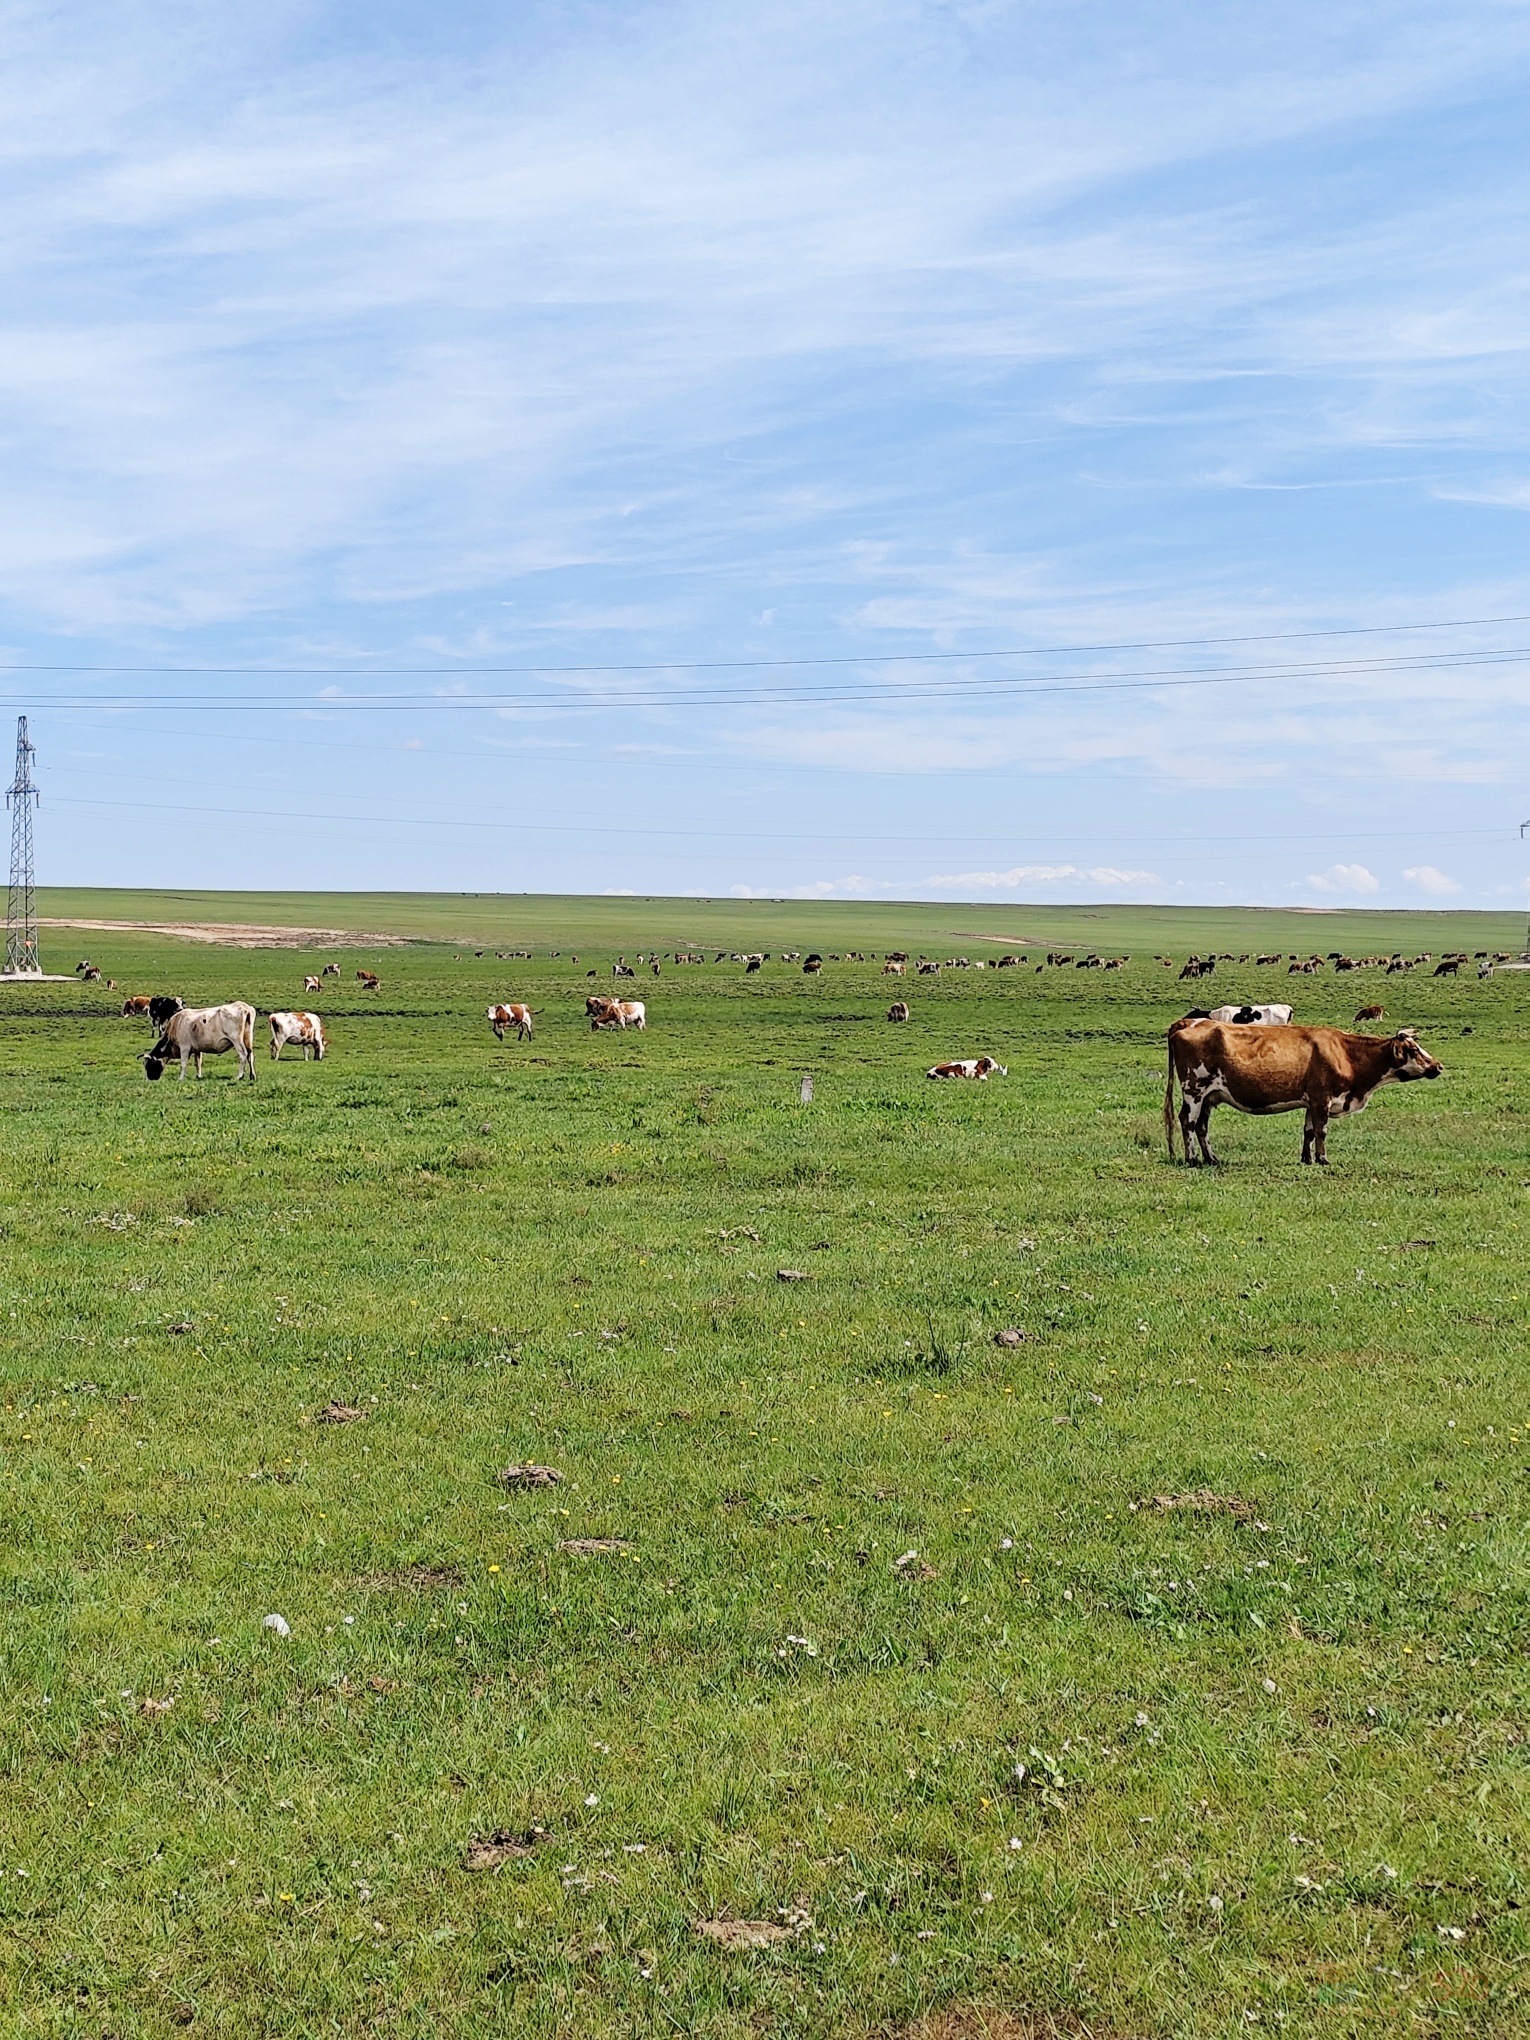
x=1107 y=874
x=850 y=888
x=1429 y=880
x=1344 y=878
x=1002 y=881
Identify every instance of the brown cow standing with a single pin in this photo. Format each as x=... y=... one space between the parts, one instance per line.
x=1277 y=1069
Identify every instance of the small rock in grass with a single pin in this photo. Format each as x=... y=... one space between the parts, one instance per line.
x=277 y=1624
x=530 y=1475
x=792 y=1275
x=1010 y=1336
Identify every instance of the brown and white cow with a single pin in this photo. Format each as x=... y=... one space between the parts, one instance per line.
x=898 y=1010
x=136 y=1007
x=306 y=1029
x=370 y=981
x=207 y=1030
x=1280 y=1069
x=330 y=970
x=982 y=1067
x=621 y=1013
x=502 y=1018
x=310 y=983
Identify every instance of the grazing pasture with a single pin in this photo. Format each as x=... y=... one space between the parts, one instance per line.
x=991 y=1568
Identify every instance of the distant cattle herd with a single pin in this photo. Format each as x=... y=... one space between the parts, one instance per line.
x=1248 y=1056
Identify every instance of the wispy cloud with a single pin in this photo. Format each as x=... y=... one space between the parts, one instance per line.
x=674 y=335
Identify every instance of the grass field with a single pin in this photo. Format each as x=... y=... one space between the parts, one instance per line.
x=901 y=1657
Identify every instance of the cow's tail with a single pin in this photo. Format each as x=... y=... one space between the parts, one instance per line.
x=247 y=1030
x=1168 y=1108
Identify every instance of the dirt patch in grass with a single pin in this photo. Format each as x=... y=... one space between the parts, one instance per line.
x=341 y=1413
x=243 y=934
x=737 y=1936
x=487 y=1852
x=414 y=1579
x=529 y=1475
x=982 y=2022
x=1200 y=1502
x=587 y=1547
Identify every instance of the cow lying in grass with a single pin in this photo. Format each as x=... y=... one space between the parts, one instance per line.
x=982 y=1068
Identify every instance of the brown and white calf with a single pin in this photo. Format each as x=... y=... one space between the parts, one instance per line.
x=306 y=1029
x=207 y=1030
x=1280 y=1069
x=310 y=984
x=982 y=1067
x=370 y=981
x=136 y=1007
x=502 y=1018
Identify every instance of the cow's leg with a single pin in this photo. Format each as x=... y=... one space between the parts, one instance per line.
x=1320 y=1142
x=1184 y=1133
x=1202 y=1132
x=1315 y=1136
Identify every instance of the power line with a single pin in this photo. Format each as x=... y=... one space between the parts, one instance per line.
x=1142 y=680
x=820 y=659
x=740 y=836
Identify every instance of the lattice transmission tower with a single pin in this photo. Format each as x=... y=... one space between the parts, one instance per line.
x=21 y=957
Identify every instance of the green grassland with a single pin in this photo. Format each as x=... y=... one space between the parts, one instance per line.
x=1135 y=1770
x=513 y=920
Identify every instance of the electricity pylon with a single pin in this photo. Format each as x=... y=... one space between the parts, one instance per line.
x=21 y=957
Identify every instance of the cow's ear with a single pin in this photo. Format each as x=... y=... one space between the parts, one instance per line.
x=1401 y=1049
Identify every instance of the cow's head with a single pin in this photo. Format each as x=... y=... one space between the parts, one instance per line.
x=988 y=1067
x=1409 y=1060
x=154 y=1062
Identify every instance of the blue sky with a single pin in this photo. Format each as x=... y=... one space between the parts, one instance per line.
x=505 y=345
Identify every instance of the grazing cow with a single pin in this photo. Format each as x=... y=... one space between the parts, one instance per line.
x=1277 y=1069
x=892 y=969
x=502 y=1018
x=812 y=966
x=330 y=970
x=137 y=1007
x=1448 y=968
x=310 y=984
x=162 y=1006
x=1250 y=1016
x=209 y=1030
x=897 y=1010
x=370 y=981
x=1370 y=1013
x=91 y=977
x=623 y=1013
x=753 y=963
x=306 y=1029
x=981 y=1068
x=597 y=1005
